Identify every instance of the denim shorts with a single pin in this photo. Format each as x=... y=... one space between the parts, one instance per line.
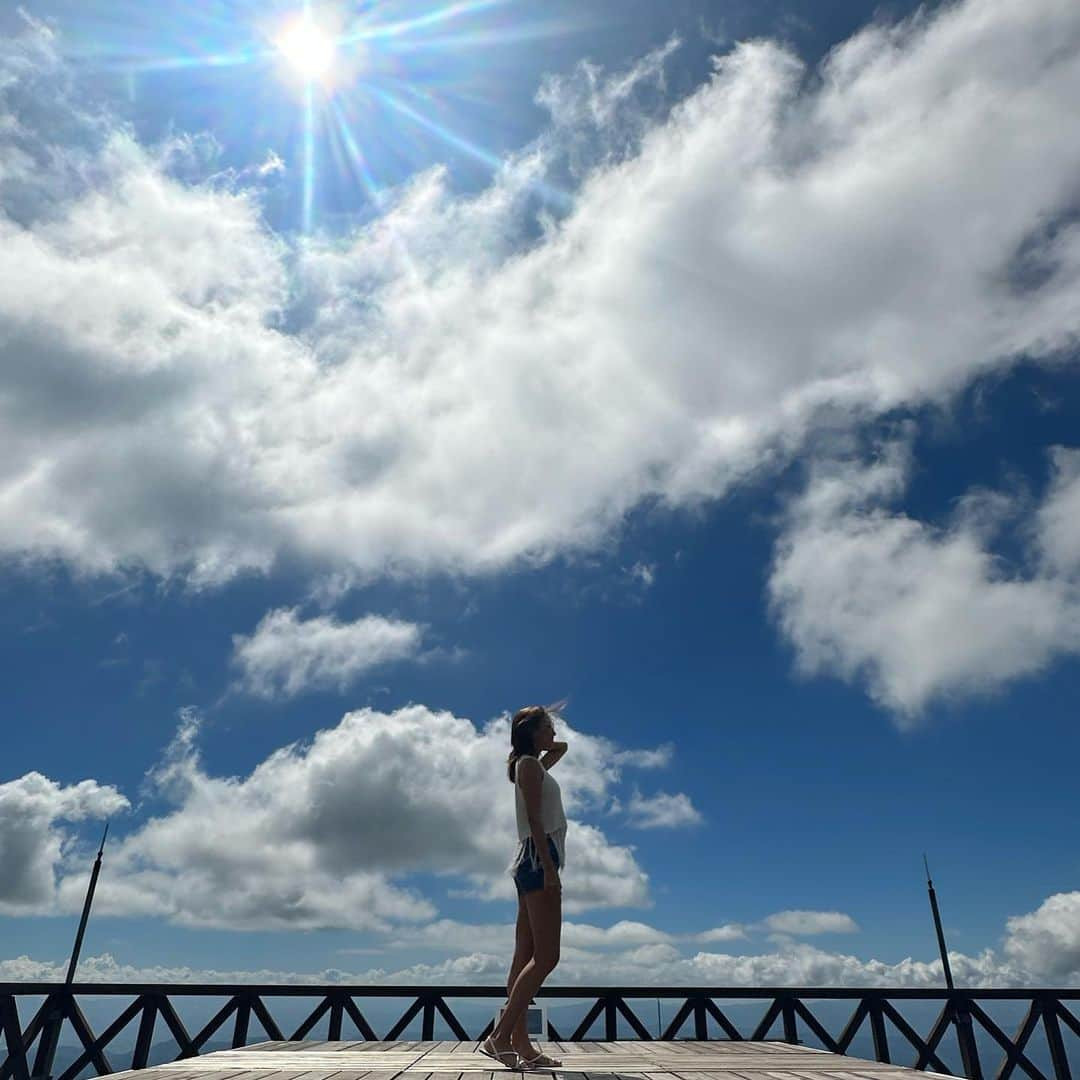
x=525 y=877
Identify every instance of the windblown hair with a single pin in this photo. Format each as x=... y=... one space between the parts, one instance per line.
x=522 y=733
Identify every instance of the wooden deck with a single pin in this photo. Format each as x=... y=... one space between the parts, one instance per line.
x=634 y=1059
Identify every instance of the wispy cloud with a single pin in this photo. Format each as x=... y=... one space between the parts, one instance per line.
x=801 y=923
x=662 y=811
x=286 y=655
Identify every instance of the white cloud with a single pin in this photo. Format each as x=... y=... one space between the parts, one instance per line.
x=1040 y=947
x=790 y=964
x=810 y=922
x=33 y=810
x=286 y=655
x=415 y=395
x=800 y=964
x=322 y=833
x=662 y=811
x=657 y=758
x=619 y=935
x=1048 y=939
x=923 y=612
x=727 y=932
x=1058 y=522
x=499 y=937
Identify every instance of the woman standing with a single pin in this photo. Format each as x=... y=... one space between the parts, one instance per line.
x=540 y=854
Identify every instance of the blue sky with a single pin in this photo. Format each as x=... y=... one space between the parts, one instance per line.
x=711 y=365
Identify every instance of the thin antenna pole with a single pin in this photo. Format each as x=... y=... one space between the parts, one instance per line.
x=937 y=926
x=958 y=1005
x=86 y=910
x=61 y=1004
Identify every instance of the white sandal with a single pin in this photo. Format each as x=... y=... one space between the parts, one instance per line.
x=541 y=1061
x=488 y=1047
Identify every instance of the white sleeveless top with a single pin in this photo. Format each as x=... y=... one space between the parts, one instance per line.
x=552 y=817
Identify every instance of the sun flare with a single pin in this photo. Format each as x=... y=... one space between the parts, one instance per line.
x=308 y=49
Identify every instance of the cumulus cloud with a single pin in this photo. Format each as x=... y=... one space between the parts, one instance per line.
x=867 y=238
x=1048 y=939
x=33 y=812
x=921 y=611
x=286 y=654
x=653 y=963
x=322 y=833
x=810 y=922
x=1040 y=947
x=800 y=964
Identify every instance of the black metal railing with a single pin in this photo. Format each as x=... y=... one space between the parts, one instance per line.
x=960 y=1011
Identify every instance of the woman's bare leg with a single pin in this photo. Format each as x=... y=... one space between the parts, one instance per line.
x=545 y=919
x=523 y=950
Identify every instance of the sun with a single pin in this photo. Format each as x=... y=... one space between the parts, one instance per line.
x=308 y=49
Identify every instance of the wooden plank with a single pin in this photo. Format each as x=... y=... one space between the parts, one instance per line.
x=316 y=1074
x=727 y=1046
x=213 y=1073
x=369 y=1045
x=714 y=1074
x=687 y=1074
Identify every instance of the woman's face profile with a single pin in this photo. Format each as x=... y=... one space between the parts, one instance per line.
x=546 y=731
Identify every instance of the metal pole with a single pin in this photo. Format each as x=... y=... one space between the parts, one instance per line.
x=86 y=910
x=937 y=926
x=965 y=1034
x=50 y=1032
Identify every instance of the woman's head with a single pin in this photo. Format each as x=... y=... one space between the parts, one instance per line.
x=532 y=729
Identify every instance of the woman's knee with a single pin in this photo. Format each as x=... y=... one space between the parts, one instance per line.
x=548 y=962
x=521 y=958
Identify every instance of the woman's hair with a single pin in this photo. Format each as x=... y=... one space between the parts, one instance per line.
x=522 y=732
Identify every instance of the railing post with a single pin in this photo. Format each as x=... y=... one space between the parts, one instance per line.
x=877 y=1030
x=337 y=1012
x=1048 y=1007
x=609 y=1018
x=427 y=1024
x=701 y=1030
x=965 y=1036
x=243 y=1018
x=145 y=1037
x=13 y=1037
x=787 y=1011
x=50 y=1036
